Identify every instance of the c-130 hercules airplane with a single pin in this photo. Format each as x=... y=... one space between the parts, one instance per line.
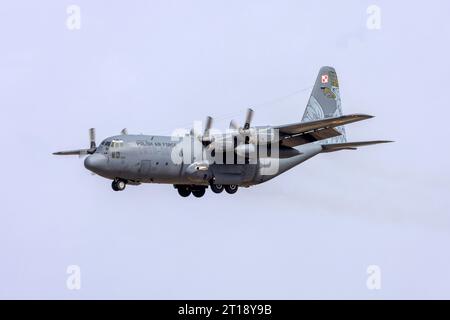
x=241 y=157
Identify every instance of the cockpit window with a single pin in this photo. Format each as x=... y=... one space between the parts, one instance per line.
x=117 y=144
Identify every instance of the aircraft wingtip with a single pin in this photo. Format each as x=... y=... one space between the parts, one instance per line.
x=362 y=116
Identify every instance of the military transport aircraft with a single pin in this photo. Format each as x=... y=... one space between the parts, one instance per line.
x=240 y=157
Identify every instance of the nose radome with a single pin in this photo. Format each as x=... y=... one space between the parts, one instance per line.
x=95 y=162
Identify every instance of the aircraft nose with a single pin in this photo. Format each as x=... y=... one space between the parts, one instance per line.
x=95 y=163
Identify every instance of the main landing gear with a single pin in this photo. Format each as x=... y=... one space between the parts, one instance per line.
x=199 y=191
x=118 y=185
x=185 y=191
x=231 y=188
x=218 y=188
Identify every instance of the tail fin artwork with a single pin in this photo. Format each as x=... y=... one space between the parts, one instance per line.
x=325 y=102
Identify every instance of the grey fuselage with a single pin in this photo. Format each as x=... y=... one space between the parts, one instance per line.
x=148 y=159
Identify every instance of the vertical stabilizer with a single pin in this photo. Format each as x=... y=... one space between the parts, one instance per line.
x=325 y=101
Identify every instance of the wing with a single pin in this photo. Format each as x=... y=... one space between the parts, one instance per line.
x=306 y=132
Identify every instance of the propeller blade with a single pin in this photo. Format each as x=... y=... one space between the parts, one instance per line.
x=248 y=118
x=83 y=153
x=124 y=131
x=92 y=138
x=234 y=125
x=79 y=152
x=208 y=125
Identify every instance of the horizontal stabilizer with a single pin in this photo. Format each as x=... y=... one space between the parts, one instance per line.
x=303 y=127
x=350 y=145
x=306 y=132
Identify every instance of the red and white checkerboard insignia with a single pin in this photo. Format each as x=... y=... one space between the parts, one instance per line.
x=325 y=79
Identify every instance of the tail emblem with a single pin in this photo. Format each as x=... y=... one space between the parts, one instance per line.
x=325 y=79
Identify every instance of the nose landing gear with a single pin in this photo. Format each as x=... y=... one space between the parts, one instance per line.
x=118 y=185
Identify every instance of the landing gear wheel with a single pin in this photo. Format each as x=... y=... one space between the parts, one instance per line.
x=121 y=185
x=184 y=191
x=217 y=188
x=118 y=185
x=231 y=189
x=199 y=192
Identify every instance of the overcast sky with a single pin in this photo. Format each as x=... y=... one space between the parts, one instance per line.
x=153 y=66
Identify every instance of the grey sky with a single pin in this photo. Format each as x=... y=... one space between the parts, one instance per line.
x=153 y=66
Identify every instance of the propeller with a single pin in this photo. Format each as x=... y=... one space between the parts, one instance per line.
x=248 y=120
x=242 y=148
x=82 y=152
x=124 y=131
x=203 y=137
